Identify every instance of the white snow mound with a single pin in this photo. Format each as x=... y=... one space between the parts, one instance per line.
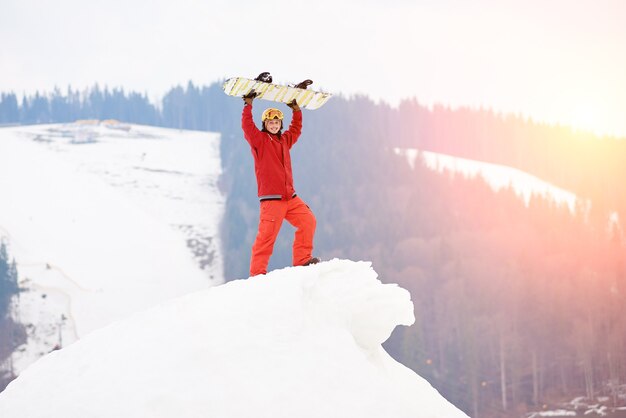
x=298 y=342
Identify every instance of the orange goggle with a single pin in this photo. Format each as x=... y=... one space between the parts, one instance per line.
x=272 y=114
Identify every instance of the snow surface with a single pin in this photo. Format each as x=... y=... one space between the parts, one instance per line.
x=105 y=219
x=298 y=342
x=497 y=176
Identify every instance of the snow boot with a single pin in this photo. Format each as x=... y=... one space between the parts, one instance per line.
x=314 y=260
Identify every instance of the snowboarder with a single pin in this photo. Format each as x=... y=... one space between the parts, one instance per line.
x=272 y=165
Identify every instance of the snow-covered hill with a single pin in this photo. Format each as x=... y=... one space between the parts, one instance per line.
x=105 y=219
x=497 y=176
x=299 y=342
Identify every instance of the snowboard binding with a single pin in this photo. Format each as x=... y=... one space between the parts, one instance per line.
x=303 y=85
x=264 y=77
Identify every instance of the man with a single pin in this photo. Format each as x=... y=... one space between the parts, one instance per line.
x=272 y=164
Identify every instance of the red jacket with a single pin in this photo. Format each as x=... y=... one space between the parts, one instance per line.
x=272 y=162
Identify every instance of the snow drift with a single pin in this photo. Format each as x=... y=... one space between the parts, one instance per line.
x=298 y=342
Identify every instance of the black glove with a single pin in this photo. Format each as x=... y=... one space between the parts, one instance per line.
x=249 y=97
x=294 y=105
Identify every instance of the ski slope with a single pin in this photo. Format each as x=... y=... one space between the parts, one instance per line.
x=105 y=219
x=496 y=176
x=299 y=342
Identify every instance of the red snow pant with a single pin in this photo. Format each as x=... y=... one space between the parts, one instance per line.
x=298 y=214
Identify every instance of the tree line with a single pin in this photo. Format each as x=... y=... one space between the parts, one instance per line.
x=575 y=160
x=180 y=108
x=516 y=305
x=11 y=333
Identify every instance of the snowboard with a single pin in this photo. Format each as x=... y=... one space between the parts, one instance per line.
x=266 y=90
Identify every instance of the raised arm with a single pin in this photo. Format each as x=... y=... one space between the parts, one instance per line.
x=250 y=131
x=295 y=127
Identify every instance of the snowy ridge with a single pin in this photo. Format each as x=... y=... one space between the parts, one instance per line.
x=298 y=342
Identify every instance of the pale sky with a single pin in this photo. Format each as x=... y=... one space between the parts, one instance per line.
x=553 y=60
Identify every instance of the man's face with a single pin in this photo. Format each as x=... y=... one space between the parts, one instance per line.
x=273 y=125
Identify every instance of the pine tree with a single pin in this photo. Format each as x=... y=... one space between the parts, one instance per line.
x=8 y=281
x=12 y=334
x=9 y=110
